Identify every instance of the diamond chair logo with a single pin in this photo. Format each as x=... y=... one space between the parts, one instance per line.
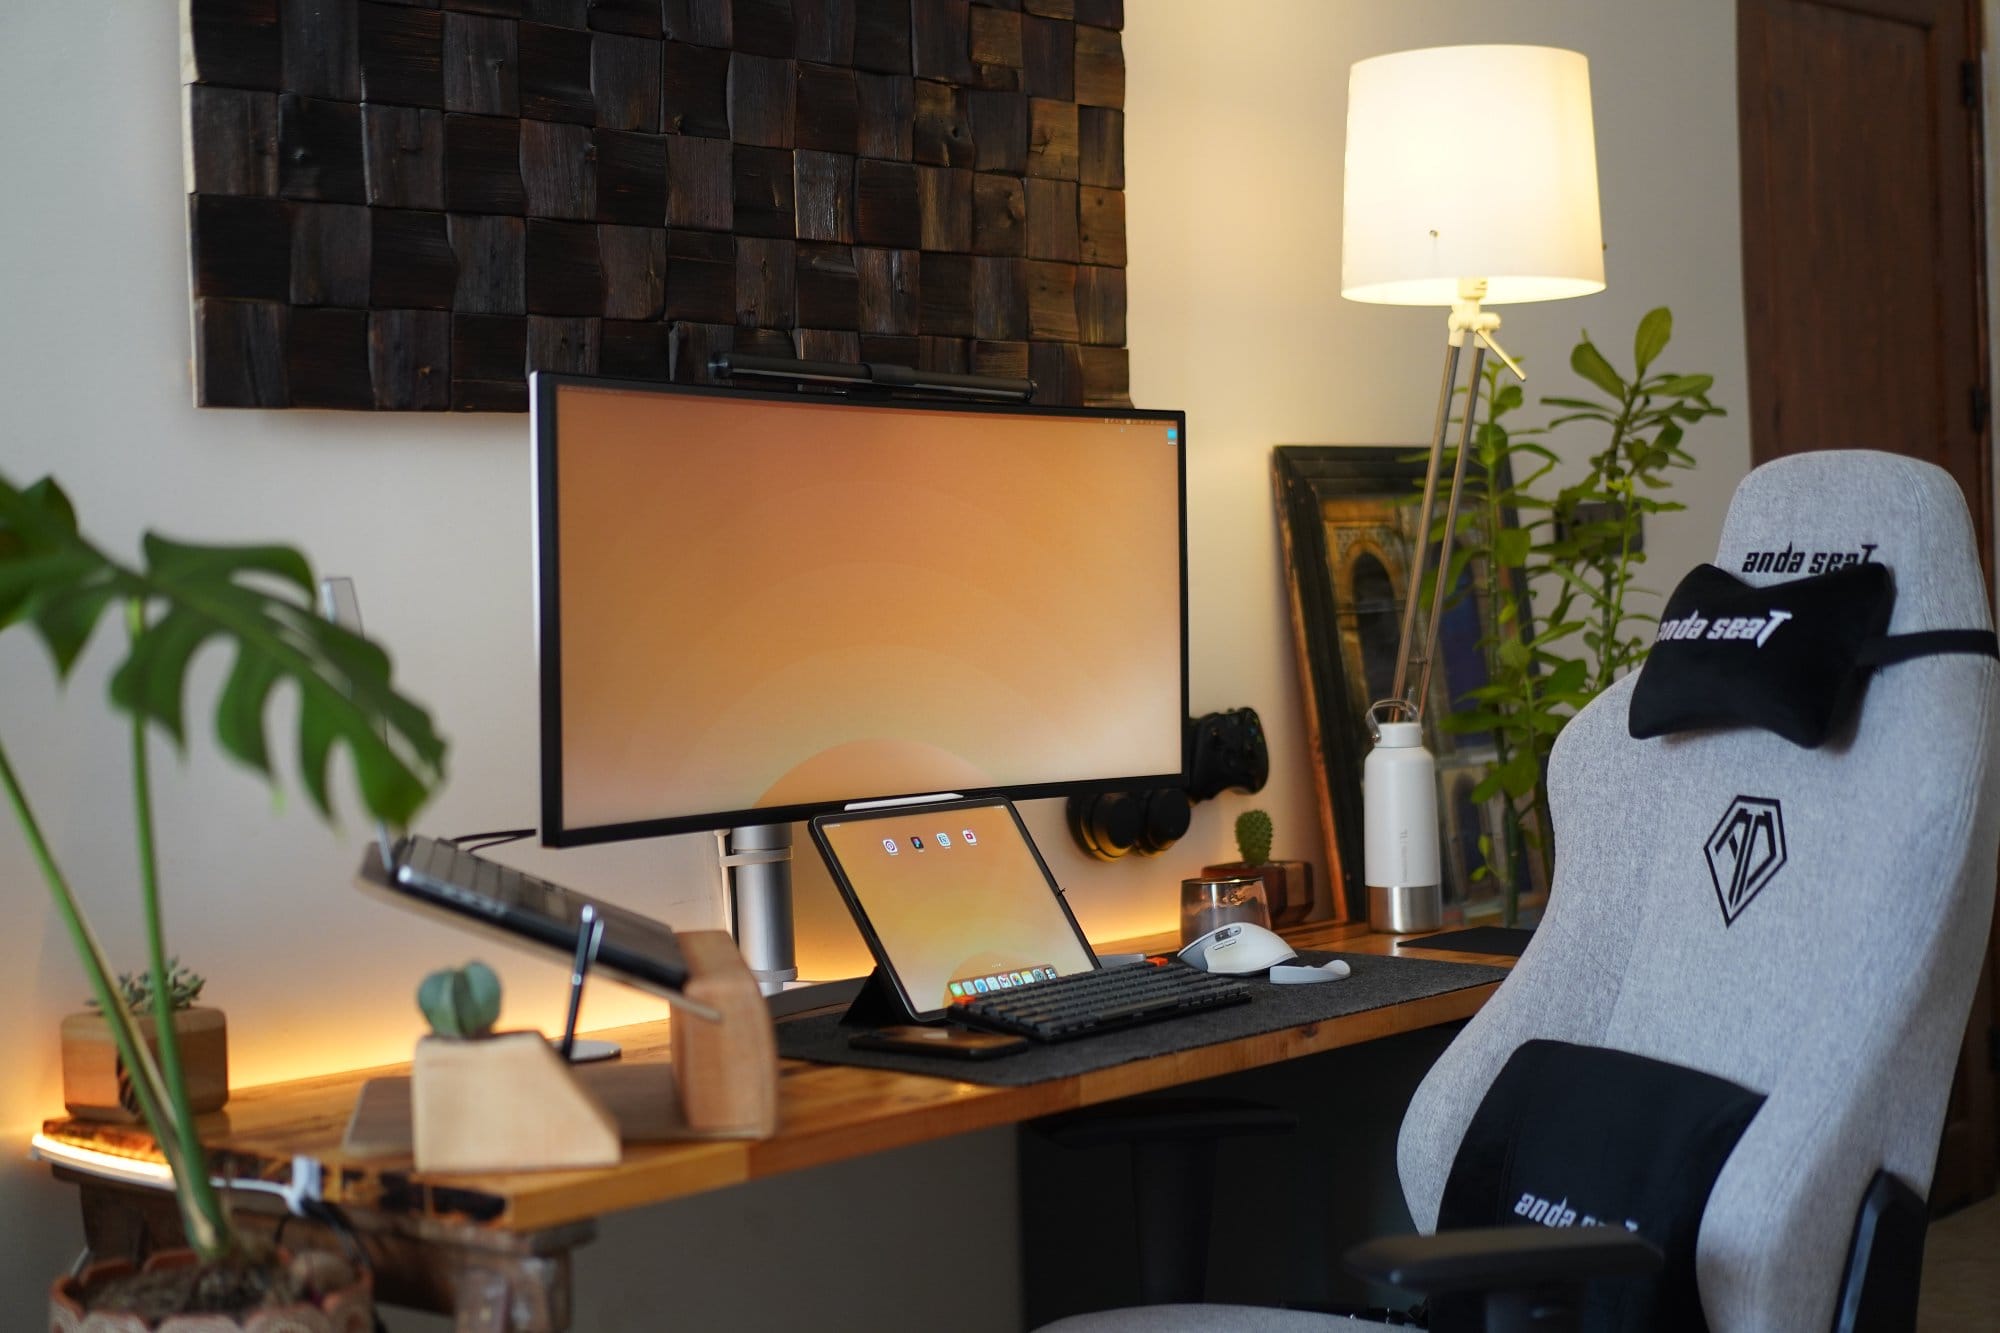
x=1745 y=852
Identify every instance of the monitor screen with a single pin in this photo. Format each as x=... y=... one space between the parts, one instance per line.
x=754 y=608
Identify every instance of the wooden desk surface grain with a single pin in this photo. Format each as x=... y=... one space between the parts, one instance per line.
x=828 y=1113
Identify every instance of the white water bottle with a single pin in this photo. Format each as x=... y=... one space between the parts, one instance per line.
x=1400 y=840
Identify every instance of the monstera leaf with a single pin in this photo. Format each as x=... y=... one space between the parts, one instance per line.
x=258 y=600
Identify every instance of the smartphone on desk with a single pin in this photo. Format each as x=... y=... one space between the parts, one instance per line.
x=954 y=1043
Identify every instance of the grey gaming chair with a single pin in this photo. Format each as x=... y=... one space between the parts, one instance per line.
x=1840 y=990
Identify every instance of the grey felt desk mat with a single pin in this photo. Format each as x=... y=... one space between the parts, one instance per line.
x=1374 y=983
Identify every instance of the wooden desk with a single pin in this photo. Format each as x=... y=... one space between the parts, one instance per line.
x=495 y=1249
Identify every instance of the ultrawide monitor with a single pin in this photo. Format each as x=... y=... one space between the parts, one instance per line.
x=753 y=608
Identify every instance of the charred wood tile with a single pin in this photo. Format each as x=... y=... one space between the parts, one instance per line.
x=1053 y=9
x=825 y=31
x=410 y=261
x=941 y=39
x=504 y=9
x=944 y=196
x=1052 y=221
x=319 y=150
x=482 y=165
x=946 y=296
x=829 y=286
x=1000 y=358
x=701 y=184
x=558 y=170
x=326 y=359
x=1052 y=143
x=765 y=342
x=489 y=348
x=760 y=100
x=1051 y=300
x=999 y=132
x=764 y=193
x=1000 y=299
x=1057 y=369
x=823 y=184
x=701 y=276
x=952 y=355
x=767 y=284
x=1100 y=305
x=694 y=345
x=1101 y=13
x=886 y=105
x=942 y=132
x=995 y=39
x=409 y=359
x=631 y=177
x=827 y=345
x=629 y=18
x=635 y=350
x=1101 y=219
x=565 y=272
x=403 y=156
x=1048 y=58
x=764 y=27
x=894 y=349
x=635 y=271
x=321 y=48
x=1100 y=68
x=826 y=109
x=566 y=345
x=1107 y=376
x=492 y=253
x=232 y=140
x=625 y=82
x=239 y=353
x=999 y=215
x=332 y=246
x=886 y=208
x=480 y=65
x=1100 y=135
x=236 y=43
x=882 y=36
x=402 y=55
x=703 y=22
x=242 y=246
x=890 y=290
x=562 y=13
x=694 y=83
x=555 y=74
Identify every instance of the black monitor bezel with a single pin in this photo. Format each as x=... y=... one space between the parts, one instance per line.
x=541 y=401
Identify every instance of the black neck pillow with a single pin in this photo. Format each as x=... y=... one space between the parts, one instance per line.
x=1792 y=658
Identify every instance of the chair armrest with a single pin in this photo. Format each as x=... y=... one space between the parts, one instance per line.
x=1504 y=1258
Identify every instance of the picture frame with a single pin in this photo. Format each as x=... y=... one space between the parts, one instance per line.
x=1347 y=517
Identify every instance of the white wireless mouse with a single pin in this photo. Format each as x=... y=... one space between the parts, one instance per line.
x=1238 y=948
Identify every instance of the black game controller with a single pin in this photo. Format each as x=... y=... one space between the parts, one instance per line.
x=1226 y=750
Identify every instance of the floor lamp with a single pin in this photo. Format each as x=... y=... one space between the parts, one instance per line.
x=1471 y=181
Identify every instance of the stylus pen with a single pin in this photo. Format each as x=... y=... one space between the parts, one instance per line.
x=589 y=934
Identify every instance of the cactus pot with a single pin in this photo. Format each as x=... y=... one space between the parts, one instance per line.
x=95 y=1084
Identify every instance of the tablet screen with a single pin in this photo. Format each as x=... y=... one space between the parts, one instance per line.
x=953 y=898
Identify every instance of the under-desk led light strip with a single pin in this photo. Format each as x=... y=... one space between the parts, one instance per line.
x=154 y=1174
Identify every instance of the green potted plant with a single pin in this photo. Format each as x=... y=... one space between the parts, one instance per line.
x=96 y=1083
x=1288 y=885
x=258 y=601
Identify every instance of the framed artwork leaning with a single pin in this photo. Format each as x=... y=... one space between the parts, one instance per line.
x=1347 y=517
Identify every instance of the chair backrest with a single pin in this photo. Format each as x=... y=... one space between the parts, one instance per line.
x=1840 y=982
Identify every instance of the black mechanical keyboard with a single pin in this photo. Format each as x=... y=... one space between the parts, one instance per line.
x=1087 y=1002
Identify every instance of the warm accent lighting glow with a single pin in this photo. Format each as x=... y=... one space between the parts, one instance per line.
x=1470 y=162
x=97 y=1162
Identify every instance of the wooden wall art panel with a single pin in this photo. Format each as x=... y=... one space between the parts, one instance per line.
x=407 y=205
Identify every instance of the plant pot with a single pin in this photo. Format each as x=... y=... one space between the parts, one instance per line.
x=1288 y=886
x=348 y=1308
x=96 y=1086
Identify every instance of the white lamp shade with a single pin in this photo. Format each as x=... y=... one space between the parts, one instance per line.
x=1470 y=162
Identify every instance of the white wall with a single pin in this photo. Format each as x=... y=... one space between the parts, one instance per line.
x=1233 y=137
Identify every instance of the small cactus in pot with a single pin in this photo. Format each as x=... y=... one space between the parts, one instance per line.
x=1287 y=884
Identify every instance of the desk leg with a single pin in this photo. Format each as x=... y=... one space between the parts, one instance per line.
x=488 y=1281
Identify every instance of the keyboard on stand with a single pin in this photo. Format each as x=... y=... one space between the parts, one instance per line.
x=1088 y=1002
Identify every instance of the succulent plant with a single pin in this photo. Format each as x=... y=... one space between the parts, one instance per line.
x=183 y=989
x=461 y=1001
x=1253 y=837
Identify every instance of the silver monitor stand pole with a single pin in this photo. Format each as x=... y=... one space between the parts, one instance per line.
x=758 y=859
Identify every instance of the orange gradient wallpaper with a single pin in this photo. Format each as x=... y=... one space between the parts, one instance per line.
x=770 y=603
x=959 y=896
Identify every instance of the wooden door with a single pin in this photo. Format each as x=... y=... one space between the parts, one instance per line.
x=1863 y=283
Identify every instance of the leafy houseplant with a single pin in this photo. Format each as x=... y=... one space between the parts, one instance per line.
x=257 y=600
x=1582 y=548
x=96 y=1083
x=1287 y=884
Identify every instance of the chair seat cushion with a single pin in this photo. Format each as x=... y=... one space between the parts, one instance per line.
x=1784 y=657
x=1573 y=1135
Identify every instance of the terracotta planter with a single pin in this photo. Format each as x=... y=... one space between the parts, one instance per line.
x=1288 y=886
x=350 y=1309
x=95 y=1085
